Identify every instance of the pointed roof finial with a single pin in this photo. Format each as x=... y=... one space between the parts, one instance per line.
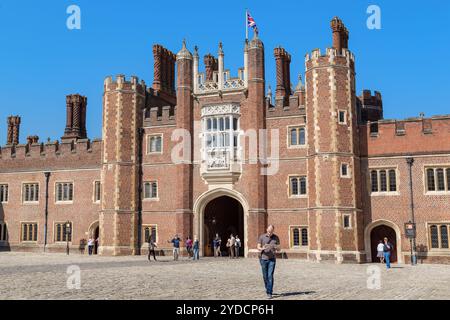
x=196 y=51
x=300 y=86
x=184 y=52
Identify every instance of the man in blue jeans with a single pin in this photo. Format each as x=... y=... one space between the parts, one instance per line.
x=388 y=247
x=268 y=245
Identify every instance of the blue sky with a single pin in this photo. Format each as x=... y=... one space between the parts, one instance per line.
x=41 y=60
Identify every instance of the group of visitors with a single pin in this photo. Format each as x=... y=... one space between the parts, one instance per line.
x=233 y=246
x=192 y=247
x=385 y=249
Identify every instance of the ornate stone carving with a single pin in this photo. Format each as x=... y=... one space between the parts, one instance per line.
x=221 y=109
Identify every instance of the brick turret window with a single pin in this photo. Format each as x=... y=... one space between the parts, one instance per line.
x=297 y=186
x=438 y=179
x=97 y=191
x=383 y=181
x=4 y=193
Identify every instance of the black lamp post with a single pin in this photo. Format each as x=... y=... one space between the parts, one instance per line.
x=68 y=232
x=411 y=225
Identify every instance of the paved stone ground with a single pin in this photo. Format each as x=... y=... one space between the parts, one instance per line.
x=44 y=276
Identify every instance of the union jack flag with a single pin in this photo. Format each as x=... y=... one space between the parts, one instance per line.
x=251 y=22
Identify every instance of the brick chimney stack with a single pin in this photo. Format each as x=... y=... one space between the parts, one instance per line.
x=76 y=117
x=340 y=34
x=13 y=130
x=163 y=69
x=283 y=66
x=211 y=65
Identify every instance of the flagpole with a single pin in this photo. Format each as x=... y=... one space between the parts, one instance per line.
x=246 y=24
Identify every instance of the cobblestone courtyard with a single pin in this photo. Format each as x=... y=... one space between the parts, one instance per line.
x=44 y=276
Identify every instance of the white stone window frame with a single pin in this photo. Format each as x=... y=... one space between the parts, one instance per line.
x=148 y=140
x=298 y=177
x=436 y=192
x=150 y=225
x=157 y=190
x=231 y=110
x=7 y=193
x=94 y=193
x=384 y=193
x=428 y=225
x=345 y=122
x=22 y=195
x=291 y=236
x=348 y=168
x=350 y=224
x=55 y=229
x=55 y=192
x=288 y=136
x=21 y=223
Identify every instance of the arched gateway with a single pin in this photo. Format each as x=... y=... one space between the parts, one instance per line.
x=224 y=212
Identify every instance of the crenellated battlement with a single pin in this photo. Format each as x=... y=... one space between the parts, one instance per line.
x=411 y=135
x=160 y=116
x=49 y=149
x=331 y=56
x=62 y=155
x=120 y=83
x=370 y=106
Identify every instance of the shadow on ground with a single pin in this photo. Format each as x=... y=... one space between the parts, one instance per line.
x=290 y=294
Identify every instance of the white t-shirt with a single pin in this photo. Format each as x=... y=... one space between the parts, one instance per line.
x=380 y=247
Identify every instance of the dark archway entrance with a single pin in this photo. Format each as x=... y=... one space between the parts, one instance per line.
x=379 y=233
x=225 y=216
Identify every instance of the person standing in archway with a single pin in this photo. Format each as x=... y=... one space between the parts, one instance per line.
x=90 y=246
x=217 y=244
x=268 y=245
x=380 y=251
x=232 y=246
x=238 y=246
x=388 y=247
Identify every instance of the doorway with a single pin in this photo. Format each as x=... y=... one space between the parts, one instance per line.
x=223 y=216
x=379 y=233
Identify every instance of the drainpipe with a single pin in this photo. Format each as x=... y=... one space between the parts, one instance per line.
x=47 y=178
x=139 y=206
x=410 y=162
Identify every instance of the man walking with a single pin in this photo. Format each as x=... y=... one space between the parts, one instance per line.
x=217 y=244
x=196 y=248
x=268 y=245
x=176 y=246
x=388 y=247
x=151 y=247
